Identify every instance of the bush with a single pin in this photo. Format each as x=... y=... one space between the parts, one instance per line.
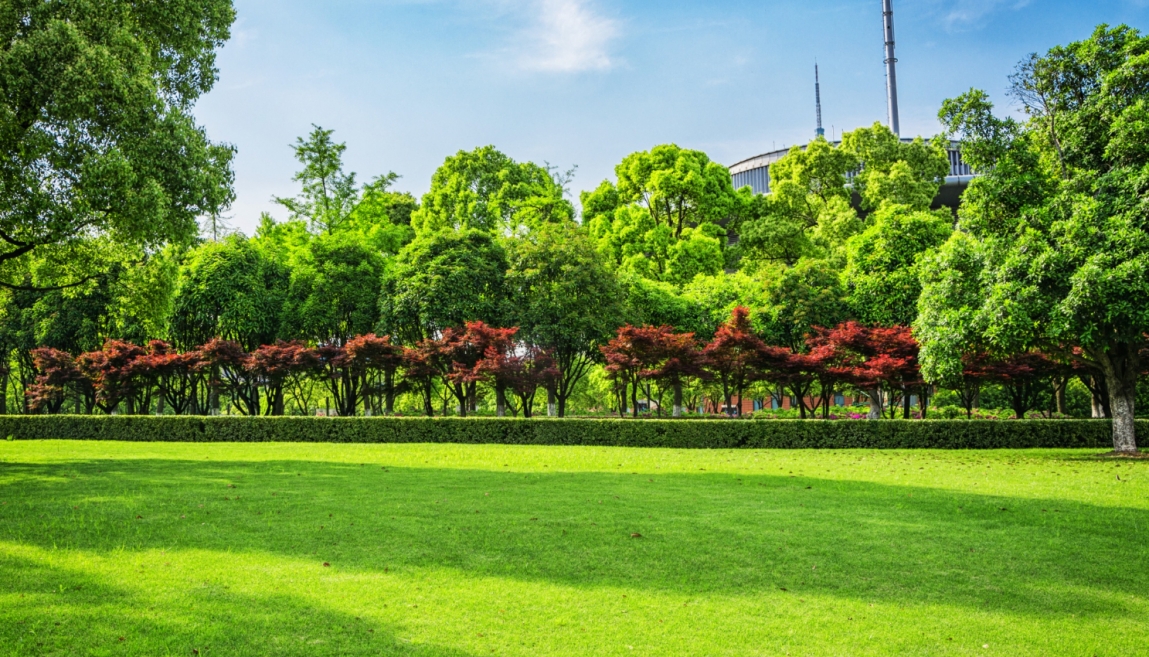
x=705 y=434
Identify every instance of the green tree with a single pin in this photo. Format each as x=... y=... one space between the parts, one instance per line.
x=486 y=190
x=230 y=290
x=1058 y=223
x=665 y=217
x=329 y=195
x=443 y=280
x=97 y=131
x=882 y=262
x=564 y=300
x=334 y=290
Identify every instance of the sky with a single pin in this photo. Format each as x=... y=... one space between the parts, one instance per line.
x=583 y=83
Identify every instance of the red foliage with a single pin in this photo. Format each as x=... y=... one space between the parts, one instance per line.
x=735 y=356
x=58 y=374
x=114 y=373
x=521 y=370
x=274 y=365
x=883 y=361
x=227 y=364
x=177 y=375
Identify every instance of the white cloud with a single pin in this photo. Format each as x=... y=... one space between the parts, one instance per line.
x=567 y=36
x=970 y=13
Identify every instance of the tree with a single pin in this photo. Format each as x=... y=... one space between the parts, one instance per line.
x=274 y=366
x=230 y=372
x=564 y=301
x=881 y=270
x=486 y=190
x=734 y=356
x=676 y=359
x=443 y=280
x=1058 y=219
x=377 y=360
x=1022 y=375
x=180 y=377
x=893 y=171
x=114 y=374
x=59 y=375
x=229 y=290
x=627 y=355
x=882 y=361
x=329 y=195
x=520 y=369
x=96 y=129
x=334 y=290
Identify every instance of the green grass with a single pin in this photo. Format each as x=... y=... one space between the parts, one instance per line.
x=453 y=550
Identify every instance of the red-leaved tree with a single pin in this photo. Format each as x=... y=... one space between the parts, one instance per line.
x=734 y=356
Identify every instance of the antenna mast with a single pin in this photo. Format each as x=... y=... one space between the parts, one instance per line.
x=891 y=65
x=818 y=101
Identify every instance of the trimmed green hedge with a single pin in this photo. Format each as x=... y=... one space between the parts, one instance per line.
x=701 y=434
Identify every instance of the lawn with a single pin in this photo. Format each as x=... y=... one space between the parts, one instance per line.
x=453 y=551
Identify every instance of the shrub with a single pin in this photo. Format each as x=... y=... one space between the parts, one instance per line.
x=703 y=434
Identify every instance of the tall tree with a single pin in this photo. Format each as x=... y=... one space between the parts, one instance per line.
x=1059 y=218
x=96 y=130
x=564 y=300
x=329 y=195
x=486 y=190
x=444 y=280
x=230 y=290
x=334 y=290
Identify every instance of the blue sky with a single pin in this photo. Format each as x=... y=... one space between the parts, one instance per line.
x=584 y=82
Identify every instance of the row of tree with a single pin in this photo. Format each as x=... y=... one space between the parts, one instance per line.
x=367 y=373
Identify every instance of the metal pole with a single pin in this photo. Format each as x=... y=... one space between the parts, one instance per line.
x=818 y=102
x=891 y=67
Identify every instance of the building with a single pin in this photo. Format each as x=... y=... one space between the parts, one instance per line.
x=755 y=172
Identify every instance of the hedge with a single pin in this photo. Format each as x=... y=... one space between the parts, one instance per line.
x=699 y=434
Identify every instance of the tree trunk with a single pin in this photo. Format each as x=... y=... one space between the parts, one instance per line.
x=875 y=398
x=634 y=400
x=906 y=404
x=550 y=401
x=160 y=404
x=277 y=404
x=500 y=401
x=677 y=399
x=389 y=392
x=1121 y=378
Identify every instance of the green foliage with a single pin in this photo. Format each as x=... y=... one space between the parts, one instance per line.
x=696 y=434
x=1058 y=219
x=97 y=132
x=664 y=219
x=563 y=299
x=334 y=290
x=329 y=195
x=486 y=190
x=895 y=172
x=232 y=290
x=799 y=298
x=652 y=303
x=882 y=262
x=443 y=280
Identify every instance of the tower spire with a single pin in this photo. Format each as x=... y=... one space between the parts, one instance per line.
x=820 y=132
x=891 y=66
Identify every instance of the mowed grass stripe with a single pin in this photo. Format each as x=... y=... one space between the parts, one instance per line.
x=479 y=550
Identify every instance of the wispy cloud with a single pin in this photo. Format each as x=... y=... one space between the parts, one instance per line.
x=965 y=14
x=567 y=36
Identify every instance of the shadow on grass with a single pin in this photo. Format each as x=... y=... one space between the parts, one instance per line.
x=682 y=533
x=67 y=612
